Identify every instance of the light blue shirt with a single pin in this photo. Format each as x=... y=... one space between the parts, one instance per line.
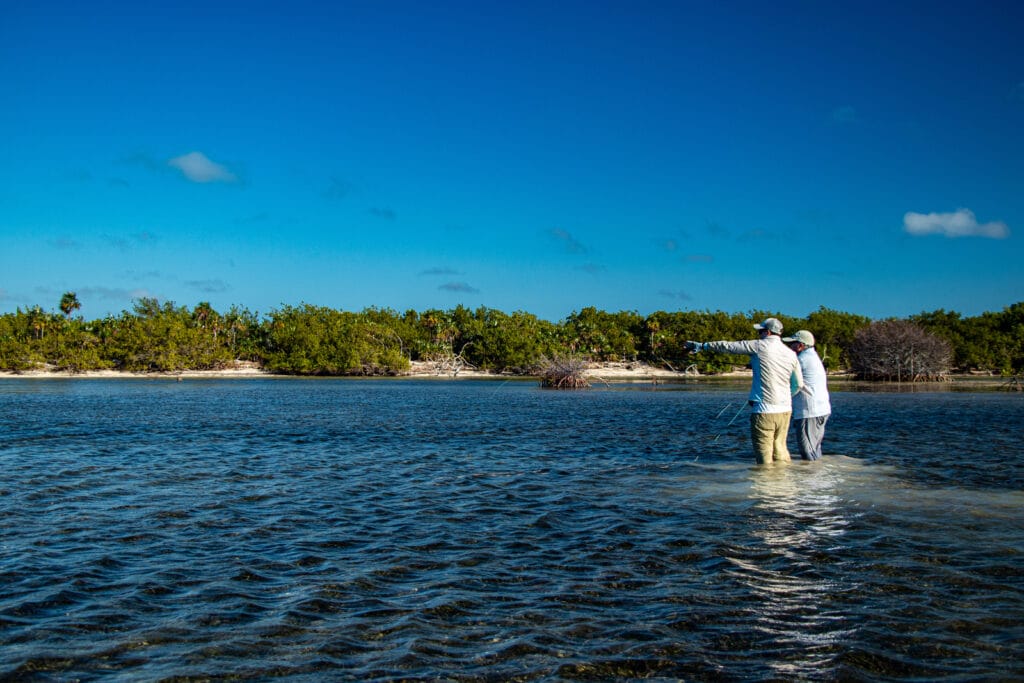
x=813 y=401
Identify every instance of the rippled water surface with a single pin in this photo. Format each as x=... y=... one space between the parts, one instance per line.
x=487 y=530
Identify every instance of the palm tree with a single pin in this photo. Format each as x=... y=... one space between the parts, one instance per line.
x=69 y=303
x=37 y=319
x=205 y=315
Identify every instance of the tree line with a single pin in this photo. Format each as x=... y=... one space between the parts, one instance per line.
x=317 y=340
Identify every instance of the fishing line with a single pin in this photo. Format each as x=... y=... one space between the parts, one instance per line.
x=729 y=423
x=500 y=386
x=721 y=431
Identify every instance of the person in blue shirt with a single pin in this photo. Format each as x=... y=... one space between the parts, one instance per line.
x=811 y=407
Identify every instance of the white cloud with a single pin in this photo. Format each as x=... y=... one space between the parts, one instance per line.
x=198 y=168
x=960 y=223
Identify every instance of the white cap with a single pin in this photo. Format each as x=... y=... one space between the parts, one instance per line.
x=773 y=325
x=803 y=336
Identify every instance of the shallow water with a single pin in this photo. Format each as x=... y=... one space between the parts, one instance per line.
x=376 y=530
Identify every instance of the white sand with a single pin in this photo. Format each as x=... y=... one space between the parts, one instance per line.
x=635 y=371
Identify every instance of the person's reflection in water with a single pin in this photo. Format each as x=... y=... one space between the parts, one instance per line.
x=797 y=530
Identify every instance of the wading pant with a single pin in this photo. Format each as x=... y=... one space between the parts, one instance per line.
x=810 y=432
x=768 y=434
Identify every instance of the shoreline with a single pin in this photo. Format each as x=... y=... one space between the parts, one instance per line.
x=417 y=370
x=612 y=372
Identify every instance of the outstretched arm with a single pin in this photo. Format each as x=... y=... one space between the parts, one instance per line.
x=739 y=348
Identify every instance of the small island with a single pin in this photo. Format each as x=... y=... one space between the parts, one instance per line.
x=161 y=338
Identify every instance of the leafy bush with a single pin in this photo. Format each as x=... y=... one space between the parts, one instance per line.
x=306 y=339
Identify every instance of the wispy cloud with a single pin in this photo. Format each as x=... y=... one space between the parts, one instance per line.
x=338 y=189
x=64 y=243
x=960 y=223
x=592 y=268
x=439 y=271
x=129 y=242
x=845 y=115
x=757 y=235
x=111 y=294
x=669 y=245
x=568 y=242
x=716 y=229
x=677 y=294
x=79 y=175
x=143 y=275
x=383 y=214
x=121 y=243
x=208 y=286
x=260 y=217
x=698 y=258
x=198 y=168
x=460 y=287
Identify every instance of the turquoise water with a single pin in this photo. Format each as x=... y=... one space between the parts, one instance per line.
x=487 y=530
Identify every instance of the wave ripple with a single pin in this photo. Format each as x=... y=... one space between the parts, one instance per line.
x=381 y=530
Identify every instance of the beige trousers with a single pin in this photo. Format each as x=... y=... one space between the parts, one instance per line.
x=768 y=434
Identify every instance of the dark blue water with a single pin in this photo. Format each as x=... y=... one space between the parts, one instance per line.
x=421 y=530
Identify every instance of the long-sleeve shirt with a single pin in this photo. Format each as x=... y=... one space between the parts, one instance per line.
x=813 y=401
x=776 y=371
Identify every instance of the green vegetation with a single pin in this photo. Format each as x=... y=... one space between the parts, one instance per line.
x=990 y=341
x=314 y=340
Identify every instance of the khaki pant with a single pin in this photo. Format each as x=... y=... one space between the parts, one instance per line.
x=768 y=434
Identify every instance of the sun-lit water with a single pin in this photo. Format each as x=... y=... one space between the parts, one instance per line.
x=385 y=529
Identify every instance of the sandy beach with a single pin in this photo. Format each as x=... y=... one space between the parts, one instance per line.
x=631 y=372
x=241 y=370
x=597 y=373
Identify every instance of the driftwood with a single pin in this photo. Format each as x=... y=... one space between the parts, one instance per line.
x=1015 y=383
x=562 y=372
x=447 y=362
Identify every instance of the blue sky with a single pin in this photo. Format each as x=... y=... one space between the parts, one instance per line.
x=542 y=157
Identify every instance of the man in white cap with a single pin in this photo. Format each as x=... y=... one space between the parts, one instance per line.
x=776 y=378
x=811 y=407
